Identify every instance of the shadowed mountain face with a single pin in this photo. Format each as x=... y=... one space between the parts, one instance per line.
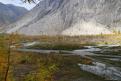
x=10 y=13
x=70 y=17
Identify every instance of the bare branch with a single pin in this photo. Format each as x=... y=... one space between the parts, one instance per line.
x=28 y=1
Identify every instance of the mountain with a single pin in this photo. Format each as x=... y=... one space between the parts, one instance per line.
x=10 y=13
x=70 y=17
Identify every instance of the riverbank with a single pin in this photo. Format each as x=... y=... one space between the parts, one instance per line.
x=57 y=58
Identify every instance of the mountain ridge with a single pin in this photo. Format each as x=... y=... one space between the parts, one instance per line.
x=10 y=13
x=70 y=17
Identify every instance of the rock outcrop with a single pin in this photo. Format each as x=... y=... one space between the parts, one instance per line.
x=70 y=17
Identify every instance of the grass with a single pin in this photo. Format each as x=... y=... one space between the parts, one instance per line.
x=83 y=39
x=26 y=66
x=3 y=56
x=57 y=46
x=63 y=68
x=110 y=51
x=106 y=60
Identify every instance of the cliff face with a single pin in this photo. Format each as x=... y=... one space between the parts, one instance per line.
x=70 y=17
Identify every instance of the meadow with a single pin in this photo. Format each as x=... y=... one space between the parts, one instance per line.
x=27 y=66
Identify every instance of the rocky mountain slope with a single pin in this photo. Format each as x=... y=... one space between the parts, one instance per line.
x=10 y=13
x=70 y=17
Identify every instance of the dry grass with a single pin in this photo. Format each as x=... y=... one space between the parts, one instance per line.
x=83 y=39
x=63 y=68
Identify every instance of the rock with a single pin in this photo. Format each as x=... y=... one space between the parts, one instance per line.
x=10 y=13
x=70 y=17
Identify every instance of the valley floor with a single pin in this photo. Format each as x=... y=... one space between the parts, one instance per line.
x=66 y=59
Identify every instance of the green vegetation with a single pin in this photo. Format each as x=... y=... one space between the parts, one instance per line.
x=57 y=46
x=78 y=40
x=52 y=67
x=106 y=60
x=3 y=57
x=109 y=50
x=26 y=66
